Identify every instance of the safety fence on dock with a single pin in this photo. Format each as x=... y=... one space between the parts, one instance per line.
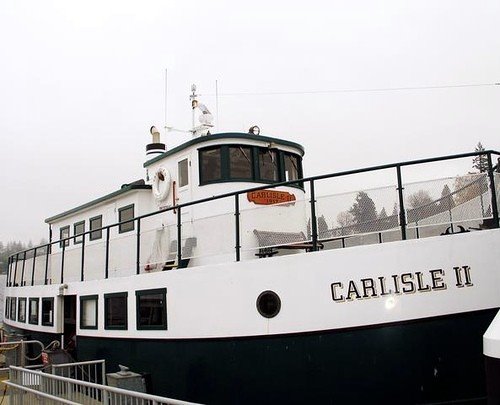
x=36 y=387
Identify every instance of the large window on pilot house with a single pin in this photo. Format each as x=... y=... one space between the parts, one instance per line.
x=240 y=163
x=248 y=163
x=268 y=165
x=210 y=165
x=292 y=167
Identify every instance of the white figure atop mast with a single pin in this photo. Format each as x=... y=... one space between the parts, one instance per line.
x=206 y=118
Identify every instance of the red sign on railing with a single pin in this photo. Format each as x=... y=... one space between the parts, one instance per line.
x=269 y=197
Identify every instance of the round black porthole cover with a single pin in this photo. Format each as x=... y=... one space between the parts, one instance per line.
x=268 y=304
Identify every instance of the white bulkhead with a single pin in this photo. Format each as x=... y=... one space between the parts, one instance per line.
x=201 y=168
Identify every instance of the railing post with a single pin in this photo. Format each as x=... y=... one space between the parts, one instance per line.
x=62 y=260
x=138 y=247
x=33 y=269
x=47 y=263
x=106 y=265
x=179 y=236
x=22 y=271
x=103 y=370
x=494 y=205
x=237 y=226
x=402 y=214
x=13 y=283
x=8 y=272
x=82 y=272
x=314 y=225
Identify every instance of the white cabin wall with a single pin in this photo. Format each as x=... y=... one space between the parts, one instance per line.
x=95 y=251
x=212 y=223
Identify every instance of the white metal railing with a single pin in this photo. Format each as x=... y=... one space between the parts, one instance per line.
x=93 y=371
x=28 y=386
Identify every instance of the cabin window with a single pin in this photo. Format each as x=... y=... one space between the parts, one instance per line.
x=210 y=165
x=183 y=173
x=88 y=312
x=95 y=223
x=292 y=166
x=63 y=234
x=13 y=306
x=48 y=311
x=115 y=310
x=7 y=307
x=126 y=214
x=268 y=165
x=240 y=163
x=248 y=163
x=33 y=311
x=21 y=310
x=151 y=309
x=78 y=229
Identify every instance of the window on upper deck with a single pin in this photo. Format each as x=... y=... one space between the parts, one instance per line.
x=95 y=223
x=183 y=172
x=126 y=214
x=240 y=163
x=268 y=165
x=63 y=234
x=78 y=229
x=210 y=165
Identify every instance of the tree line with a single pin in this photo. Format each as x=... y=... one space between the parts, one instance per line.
x=10 y=248
x=363 y=214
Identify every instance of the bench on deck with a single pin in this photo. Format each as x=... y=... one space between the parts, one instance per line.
x=187 y=252
x=270 y=242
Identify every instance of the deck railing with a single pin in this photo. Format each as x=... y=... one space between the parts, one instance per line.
x=407 y=220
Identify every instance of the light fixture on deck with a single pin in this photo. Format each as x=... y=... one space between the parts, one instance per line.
x=255 y=130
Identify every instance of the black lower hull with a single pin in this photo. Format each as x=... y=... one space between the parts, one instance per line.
x=425 y=361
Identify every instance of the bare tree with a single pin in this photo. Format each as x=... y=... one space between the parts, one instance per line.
x=345 y=219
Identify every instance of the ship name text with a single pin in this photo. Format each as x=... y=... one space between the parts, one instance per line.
x=397 y=284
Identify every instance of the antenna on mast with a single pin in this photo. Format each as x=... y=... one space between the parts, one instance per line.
x=217 y=105
x=194 y=103
x=166 y=92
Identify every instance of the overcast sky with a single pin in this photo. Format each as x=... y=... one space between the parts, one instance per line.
x=81 y=82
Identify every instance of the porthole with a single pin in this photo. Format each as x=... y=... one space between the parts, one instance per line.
x=268 y=304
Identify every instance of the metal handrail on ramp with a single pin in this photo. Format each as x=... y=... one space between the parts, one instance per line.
x=27 y=386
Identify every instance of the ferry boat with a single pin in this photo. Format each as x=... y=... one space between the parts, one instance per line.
x=230 y=277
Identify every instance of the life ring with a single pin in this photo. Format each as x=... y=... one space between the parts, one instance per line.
x=161 y=184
